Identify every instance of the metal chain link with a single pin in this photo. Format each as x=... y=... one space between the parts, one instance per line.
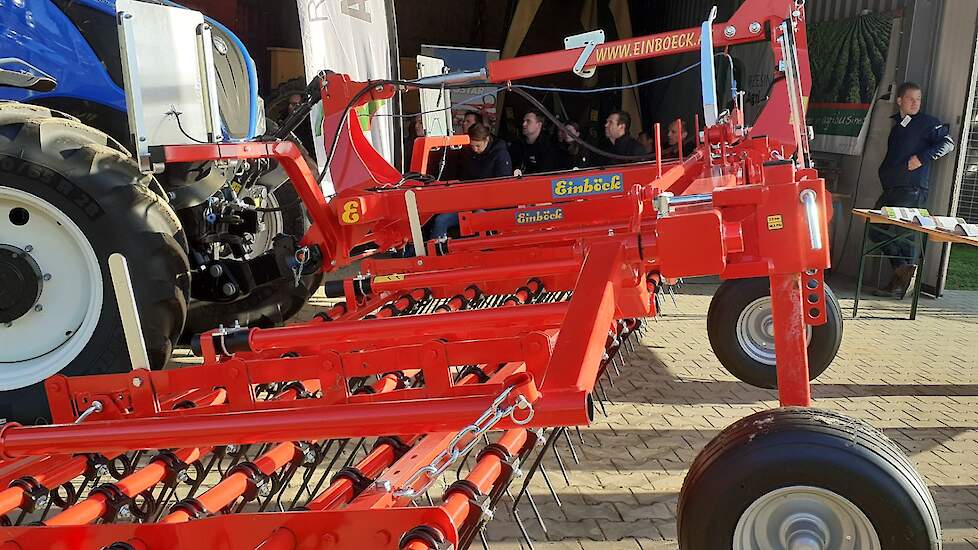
x=453 y=452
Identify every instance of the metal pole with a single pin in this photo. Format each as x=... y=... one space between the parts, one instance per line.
x=124 y=297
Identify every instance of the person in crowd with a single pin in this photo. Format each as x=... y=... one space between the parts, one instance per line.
x=534 y=153
x=573 y=155
x=677 y=134
x=916 y=141
x=304 y=130
x=617 y=128
x=488 y=158
x=471 y=118
x=647 y=142
x=414 y=131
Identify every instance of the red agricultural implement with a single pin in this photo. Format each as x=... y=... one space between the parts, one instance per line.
x=353 y=430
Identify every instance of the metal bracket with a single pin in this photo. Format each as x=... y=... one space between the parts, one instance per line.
x=205 y=56
x=589 y=41
x=134 y=98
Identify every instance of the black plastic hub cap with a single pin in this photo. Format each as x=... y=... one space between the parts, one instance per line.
x=20 y=283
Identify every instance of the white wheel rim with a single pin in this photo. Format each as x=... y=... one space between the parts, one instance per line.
x=804 y=518
x=47 y=338
x=271 y=224
x=755 y=331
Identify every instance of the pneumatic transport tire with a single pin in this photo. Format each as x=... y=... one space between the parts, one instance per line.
x=70 y=196
x=740 y=327
x=804 y=478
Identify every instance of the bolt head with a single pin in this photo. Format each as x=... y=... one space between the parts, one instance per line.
x=755 y=27
x=730 y=31
x=137 y=382
x=38 y=307
x=28 y=248
x=47 y=277
x=383 y=485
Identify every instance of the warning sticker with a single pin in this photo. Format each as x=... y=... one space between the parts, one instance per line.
x=397 y=277
x=775 y=222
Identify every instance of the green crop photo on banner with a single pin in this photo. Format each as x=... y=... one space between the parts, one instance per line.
x=848 y=59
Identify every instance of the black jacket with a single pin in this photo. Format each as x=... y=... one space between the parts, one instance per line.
x=536 y=157
x=927 y=138
x=573 y=160
x=626 y=146
x=494 y=162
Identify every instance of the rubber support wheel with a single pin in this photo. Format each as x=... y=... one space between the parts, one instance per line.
x=88 y=178
x=793 y=454
x=725 y=323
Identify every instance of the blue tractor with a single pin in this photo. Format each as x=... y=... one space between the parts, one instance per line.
x=206 y=244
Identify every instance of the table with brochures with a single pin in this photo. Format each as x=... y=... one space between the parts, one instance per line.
x=920 y=233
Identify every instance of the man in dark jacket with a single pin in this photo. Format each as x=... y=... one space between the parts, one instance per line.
x=535 y=153
x=916 y=141
x=617 y=128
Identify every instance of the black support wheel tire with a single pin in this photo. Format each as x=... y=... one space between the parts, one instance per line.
x=741 y=330
x=70 y=196
x=799 y=478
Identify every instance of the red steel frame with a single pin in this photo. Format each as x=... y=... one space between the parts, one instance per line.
x=609 y=247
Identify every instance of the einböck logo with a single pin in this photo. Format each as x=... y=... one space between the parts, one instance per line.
x=539 y=216
x=586 y=185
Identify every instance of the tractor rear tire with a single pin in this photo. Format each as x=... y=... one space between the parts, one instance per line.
x=740 y=328
x=805 y=478
x=70 y=196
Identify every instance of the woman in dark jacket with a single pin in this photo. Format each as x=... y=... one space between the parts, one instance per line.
x=489 y=158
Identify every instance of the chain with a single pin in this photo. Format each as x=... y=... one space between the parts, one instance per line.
x=456 y=450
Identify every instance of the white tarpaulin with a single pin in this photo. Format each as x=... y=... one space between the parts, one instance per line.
x=351 y=37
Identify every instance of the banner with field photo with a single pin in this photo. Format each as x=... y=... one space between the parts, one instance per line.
x=848 y=58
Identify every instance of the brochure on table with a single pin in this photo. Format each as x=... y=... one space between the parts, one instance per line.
x=923 y=218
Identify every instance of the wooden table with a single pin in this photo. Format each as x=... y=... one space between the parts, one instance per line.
x=921 y=234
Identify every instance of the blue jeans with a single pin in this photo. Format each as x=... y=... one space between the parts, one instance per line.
x=442 y=224
x=903 y=251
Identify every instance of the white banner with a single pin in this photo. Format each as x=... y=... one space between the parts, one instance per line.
x=350 y=37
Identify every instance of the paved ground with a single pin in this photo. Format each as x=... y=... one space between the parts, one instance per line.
x=916 y=380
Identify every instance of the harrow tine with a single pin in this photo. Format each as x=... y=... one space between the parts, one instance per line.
x=560 y=461
x=482 y=538
x=614 y=364
x=607 y=373
x=599 y=391
x=522 y=528
x=672 y=294
x=536 y=512
x=550 y=486
x=570 y=445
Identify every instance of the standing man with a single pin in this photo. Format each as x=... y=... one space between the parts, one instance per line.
x=916 y=141
x=617 y=128
x=534 y=153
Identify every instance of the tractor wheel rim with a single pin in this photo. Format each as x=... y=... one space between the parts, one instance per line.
x=755 y=331
x=64 y=314
x=804 y=518
x=272 y=224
